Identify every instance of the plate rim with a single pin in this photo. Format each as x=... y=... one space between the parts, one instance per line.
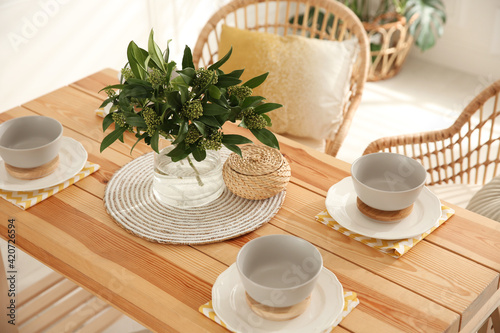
x=233 y=270
x=436 y=210
x=83 y=155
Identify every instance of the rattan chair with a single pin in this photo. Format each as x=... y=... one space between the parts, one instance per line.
x=272 y=16
x=468 y=152
x=52 y=304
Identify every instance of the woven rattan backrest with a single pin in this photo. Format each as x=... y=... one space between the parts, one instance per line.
x=467 y=152
x=274 y=16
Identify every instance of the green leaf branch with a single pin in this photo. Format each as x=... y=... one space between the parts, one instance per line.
x=187 y=106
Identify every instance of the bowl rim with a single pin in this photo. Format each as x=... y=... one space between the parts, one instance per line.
x=413 y=161
x=35 y=148
x=238 y=262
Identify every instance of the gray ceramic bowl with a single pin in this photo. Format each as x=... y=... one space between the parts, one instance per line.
x=279 y=270
x=29 y=142
x=388 y=181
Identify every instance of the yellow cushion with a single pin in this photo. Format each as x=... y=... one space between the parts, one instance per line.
x=310 y=77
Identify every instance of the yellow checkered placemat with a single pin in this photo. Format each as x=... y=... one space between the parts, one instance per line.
x=394 y=248
x=351 y=301
x=103 y=112
x=27 y=199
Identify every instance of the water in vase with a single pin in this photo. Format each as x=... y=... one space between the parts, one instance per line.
x=187 y=183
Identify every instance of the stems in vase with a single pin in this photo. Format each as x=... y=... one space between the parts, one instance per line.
x=198 y=178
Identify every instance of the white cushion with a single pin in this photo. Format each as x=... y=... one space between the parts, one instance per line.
x=310 y=77
x=487 y=200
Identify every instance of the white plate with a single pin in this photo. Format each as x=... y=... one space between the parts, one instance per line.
x=72 y=158
x=228 y=301
x=341 y=205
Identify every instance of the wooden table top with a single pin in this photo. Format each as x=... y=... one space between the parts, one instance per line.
x=437 y=286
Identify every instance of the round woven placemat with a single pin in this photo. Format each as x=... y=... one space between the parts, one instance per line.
x=129 y=199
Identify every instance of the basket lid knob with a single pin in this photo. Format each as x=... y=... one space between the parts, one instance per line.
x=256 y=160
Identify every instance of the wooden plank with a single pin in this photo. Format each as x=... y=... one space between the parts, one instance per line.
x=50 y=316
x=35 y=306
x=482 y=245
x=103 y=321
x=36 y=289
x=92 y=84
x=339 y=329
x=79 y=317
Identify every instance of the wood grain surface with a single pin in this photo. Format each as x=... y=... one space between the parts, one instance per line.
x=436 y=287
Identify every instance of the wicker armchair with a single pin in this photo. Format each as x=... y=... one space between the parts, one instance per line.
x=272 y=16
x=468 y=152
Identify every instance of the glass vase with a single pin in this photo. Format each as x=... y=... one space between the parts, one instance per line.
x=187 y=183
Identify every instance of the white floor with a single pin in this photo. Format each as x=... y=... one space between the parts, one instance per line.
x=421 y=97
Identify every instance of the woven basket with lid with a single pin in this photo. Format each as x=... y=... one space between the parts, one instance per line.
x=260 y=173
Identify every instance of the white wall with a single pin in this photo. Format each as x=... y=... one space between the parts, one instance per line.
x=471 y=39
x=50 y=43
x=46 y=44
x=181 y=21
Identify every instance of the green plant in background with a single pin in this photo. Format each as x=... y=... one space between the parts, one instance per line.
x=189 y=108
x=427 y=26
x=362 y=10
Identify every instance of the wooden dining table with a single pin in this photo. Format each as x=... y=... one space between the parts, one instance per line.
x=438 y=286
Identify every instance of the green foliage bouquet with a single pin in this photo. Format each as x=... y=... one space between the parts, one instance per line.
x=188 y=109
